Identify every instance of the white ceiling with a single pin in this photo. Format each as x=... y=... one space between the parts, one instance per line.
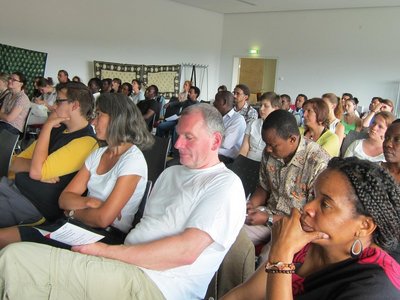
x=250 y=6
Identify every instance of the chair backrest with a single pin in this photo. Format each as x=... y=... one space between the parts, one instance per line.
x=156 y=157
x=28 y=116
x=248 y=171
x=7 y=146
x=237 y=266
x=139 y=213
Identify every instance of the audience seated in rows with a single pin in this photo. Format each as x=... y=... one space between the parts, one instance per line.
x=241 y=94
x=47 y=166
x=253 y=144
x=115 y=177
x=14 y=111
x=235 y=126
x=289 y=166
x=391 y=150
x=192 y=218
x=316 y=126
x=335 y=247
x=4 y=91
x=371 y=148
x=335 y=110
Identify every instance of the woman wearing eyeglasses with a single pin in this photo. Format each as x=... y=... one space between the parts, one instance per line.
x=14 y=110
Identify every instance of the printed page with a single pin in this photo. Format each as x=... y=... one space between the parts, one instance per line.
x=73 y=235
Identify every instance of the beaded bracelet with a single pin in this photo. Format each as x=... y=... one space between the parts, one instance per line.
x=280 y=267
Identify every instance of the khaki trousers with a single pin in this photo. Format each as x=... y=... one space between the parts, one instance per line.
x=35 y=271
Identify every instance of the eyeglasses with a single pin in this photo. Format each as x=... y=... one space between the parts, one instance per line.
x=13 y=80
x=58 y=100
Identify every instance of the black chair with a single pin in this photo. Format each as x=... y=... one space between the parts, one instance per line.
x=7 y=147
x=23 y=135
x=248 y=171
x=139 y=213
x=156 y=157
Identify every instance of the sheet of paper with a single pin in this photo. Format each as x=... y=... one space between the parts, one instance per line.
x=73 y=235
x=172 y=118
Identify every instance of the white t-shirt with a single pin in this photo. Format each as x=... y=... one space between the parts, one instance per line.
x=211 y=200
x=132 y=162
x=256 y=143
x=356 y=149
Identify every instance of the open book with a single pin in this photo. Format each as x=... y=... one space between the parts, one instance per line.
x=72 y=235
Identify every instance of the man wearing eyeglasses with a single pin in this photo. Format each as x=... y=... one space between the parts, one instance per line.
x=241 y=94
x=45 y=168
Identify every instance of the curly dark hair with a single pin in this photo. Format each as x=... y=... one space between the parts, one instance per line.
x=376 y=194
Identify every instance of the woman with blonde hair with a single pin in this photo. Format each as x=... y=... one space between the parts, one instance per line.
x=371 y=148
x=184 y=94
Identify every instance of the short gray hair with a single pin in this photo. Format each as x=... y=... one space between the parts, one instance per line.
x=126 y=121
x=211 y=116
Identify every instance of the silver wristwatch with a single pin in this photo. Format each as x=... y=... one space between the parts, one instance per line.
x=270 y=221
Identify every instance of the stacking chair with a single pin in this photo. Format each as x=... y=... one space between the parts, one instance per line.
x=139 y=213
x=23 y=135
x=156 y=157
x=248 y=171
x=7 y=146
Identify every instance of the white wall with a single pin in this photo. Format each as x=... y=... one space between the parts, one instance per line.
x=353 y=50
x=76 y=32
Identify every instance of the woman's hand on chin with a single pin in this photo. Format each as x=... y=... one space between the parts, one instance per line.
x=288 y=237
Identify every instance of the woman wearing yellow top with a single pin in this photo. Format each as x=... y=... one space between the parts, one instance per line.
x=316 y=124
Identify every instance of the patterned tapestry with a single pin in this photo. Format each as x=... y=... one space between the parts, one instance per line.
x=165 y=77
x=31 y=63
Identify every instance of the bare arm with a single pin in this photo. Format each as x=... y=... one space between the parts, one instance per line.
x=259 y=197
x=339 y=131
x=148 y=114
x=244 y=149
x=288 y=238
x=20 y=165
x=170 y=252
x=14 y=113
x=92 y=211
